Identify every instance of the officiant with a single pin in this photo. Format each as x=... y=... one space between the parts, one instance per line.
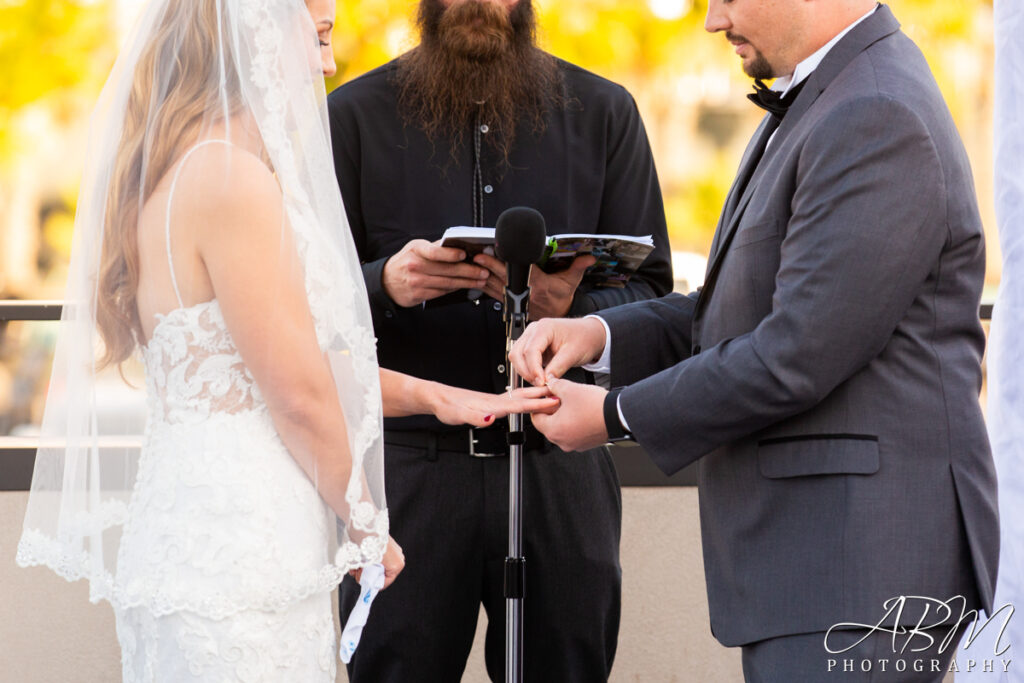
x=474 y=120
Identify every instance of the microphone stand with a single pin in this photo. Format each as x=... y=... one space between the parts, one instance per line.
x=515 y=564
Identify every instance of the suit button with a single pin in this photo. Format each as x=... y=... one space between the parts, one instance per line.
x=497 y=305
x=501 y=368
x=696 y=350
x=389 y=314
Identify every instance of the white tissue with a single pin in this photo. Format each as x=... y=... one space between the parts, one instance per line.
x=371 y=581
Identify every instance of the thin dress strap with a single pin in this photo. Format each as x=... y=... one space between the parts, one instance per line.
x=167 y=222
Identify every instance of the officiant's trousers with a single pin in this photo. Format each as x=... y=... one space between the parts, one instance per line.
x=449 y=512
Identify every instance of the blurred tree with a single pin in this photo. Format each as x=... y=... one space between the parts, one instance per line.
x=688 y=85
x=659 y=50
x=54 y=57
x=58 y=50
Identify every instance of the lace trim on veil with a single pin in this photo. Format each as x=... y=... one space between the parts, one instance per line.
x=37 y=549
x=332 y=303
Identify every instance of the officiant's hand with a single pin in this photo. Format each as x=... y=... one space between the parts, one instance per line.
x=552 y=346
x=425 y=270
x=550 y=294
x=455 y=406
x=578 y=424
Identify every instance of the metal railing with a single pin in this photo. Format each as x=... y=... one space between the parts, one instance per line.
x=17 y=454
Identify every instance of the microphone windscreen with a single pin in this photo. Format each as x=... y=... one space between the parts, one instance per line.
x=520 y=236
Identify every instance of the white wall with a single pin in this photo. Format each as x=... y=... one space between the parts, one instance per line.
x=49 y=633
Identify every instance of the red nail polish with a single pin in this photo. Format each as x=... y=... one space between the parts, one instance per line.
x=488 y=418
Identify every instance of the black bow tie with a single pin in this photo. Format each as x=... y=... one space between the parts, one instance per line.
x=772 y=101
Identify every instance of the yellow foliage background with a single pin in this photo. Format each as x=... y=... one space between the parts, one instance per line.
x=55 y=54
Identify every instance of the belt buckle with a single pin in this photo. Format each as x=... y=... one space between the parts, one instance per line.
x=472 y=447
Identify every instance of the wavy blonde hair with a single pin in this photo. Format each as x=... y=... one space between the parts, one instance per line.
x=187 y=52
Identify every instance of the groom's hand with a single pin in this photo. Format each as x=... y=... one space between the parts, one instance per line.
x=553 y=345
x=425 y=270
x=578 y=423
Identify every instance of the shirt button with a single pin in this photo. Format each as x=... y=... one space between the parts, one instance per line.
x=389 y=314
x=501 y=368
x=497 y=305
x=488 y=189
x=485 y=129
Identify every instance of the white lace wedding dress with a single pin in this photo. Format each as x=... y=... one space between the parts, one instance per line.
x=226 y=538
x=211 y=543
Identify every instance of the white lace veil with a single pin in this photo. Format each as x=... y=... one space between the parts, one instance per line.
x=189 y=71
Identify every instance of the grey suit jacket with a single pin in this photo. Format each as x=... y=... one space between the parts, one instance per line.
x=828 y=372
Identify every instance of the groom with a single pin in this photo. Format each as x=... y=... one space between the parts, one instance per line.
x=827 y=374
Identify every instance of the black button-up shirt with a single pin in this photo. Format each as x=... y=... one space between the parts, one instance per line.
x=590 y=171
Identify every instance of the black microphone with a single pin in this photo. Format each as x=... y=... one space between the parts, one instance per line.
x=520 y=238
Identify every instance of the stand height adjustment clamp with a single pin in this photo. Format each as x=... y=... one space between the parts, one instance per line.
x=515 y=578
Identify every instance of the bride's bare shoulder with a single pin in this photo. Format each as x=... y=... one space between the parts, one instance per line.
x=227 y=186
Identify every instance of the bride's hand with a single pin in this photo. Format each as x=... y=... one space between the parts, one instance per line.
x=393 y=561
x=455 y=406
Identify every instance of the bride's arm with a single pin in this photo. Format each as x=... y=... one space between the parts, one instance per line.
x=405 y=395
x=249 y=253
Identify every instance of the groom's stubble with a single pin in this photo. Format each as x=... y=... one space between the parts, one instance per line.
x=477 y=59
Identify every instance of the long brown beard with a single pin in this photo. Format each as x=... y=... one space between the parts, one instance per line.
x=477 y=59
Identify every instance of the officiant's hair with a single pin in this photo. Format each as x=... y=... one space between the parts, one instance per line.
x=185 y=76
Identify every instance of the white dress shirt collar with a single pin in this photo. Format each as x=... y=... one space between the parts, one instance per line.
x=805 y=68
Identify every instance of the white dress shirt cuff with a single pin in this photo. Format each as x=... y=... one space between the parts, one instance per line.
x=622 y=418
x=604 y=363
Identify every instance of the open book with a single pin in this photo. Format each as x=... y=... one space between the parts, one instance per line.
x=618 y=256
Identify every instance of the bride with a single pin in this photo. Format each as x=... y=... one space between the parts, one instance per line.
x=211 y=246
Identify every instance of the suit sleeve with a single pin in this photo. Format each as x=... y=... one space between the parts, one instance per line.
x=346 y=150
x=647 y=336
x=868 y=226
x=630 y=205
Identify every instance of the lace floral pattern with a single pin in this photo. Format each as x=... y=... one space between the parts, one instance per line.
x=222 y=518
x=193 y=369
x=251 y=647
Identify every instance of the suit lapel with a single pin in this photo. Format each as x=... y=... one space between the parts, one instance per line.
x=879 y=25
x=747 y=165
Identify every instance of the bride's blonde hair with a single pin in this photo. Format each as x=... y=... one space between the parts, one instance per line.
x=188 y=60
